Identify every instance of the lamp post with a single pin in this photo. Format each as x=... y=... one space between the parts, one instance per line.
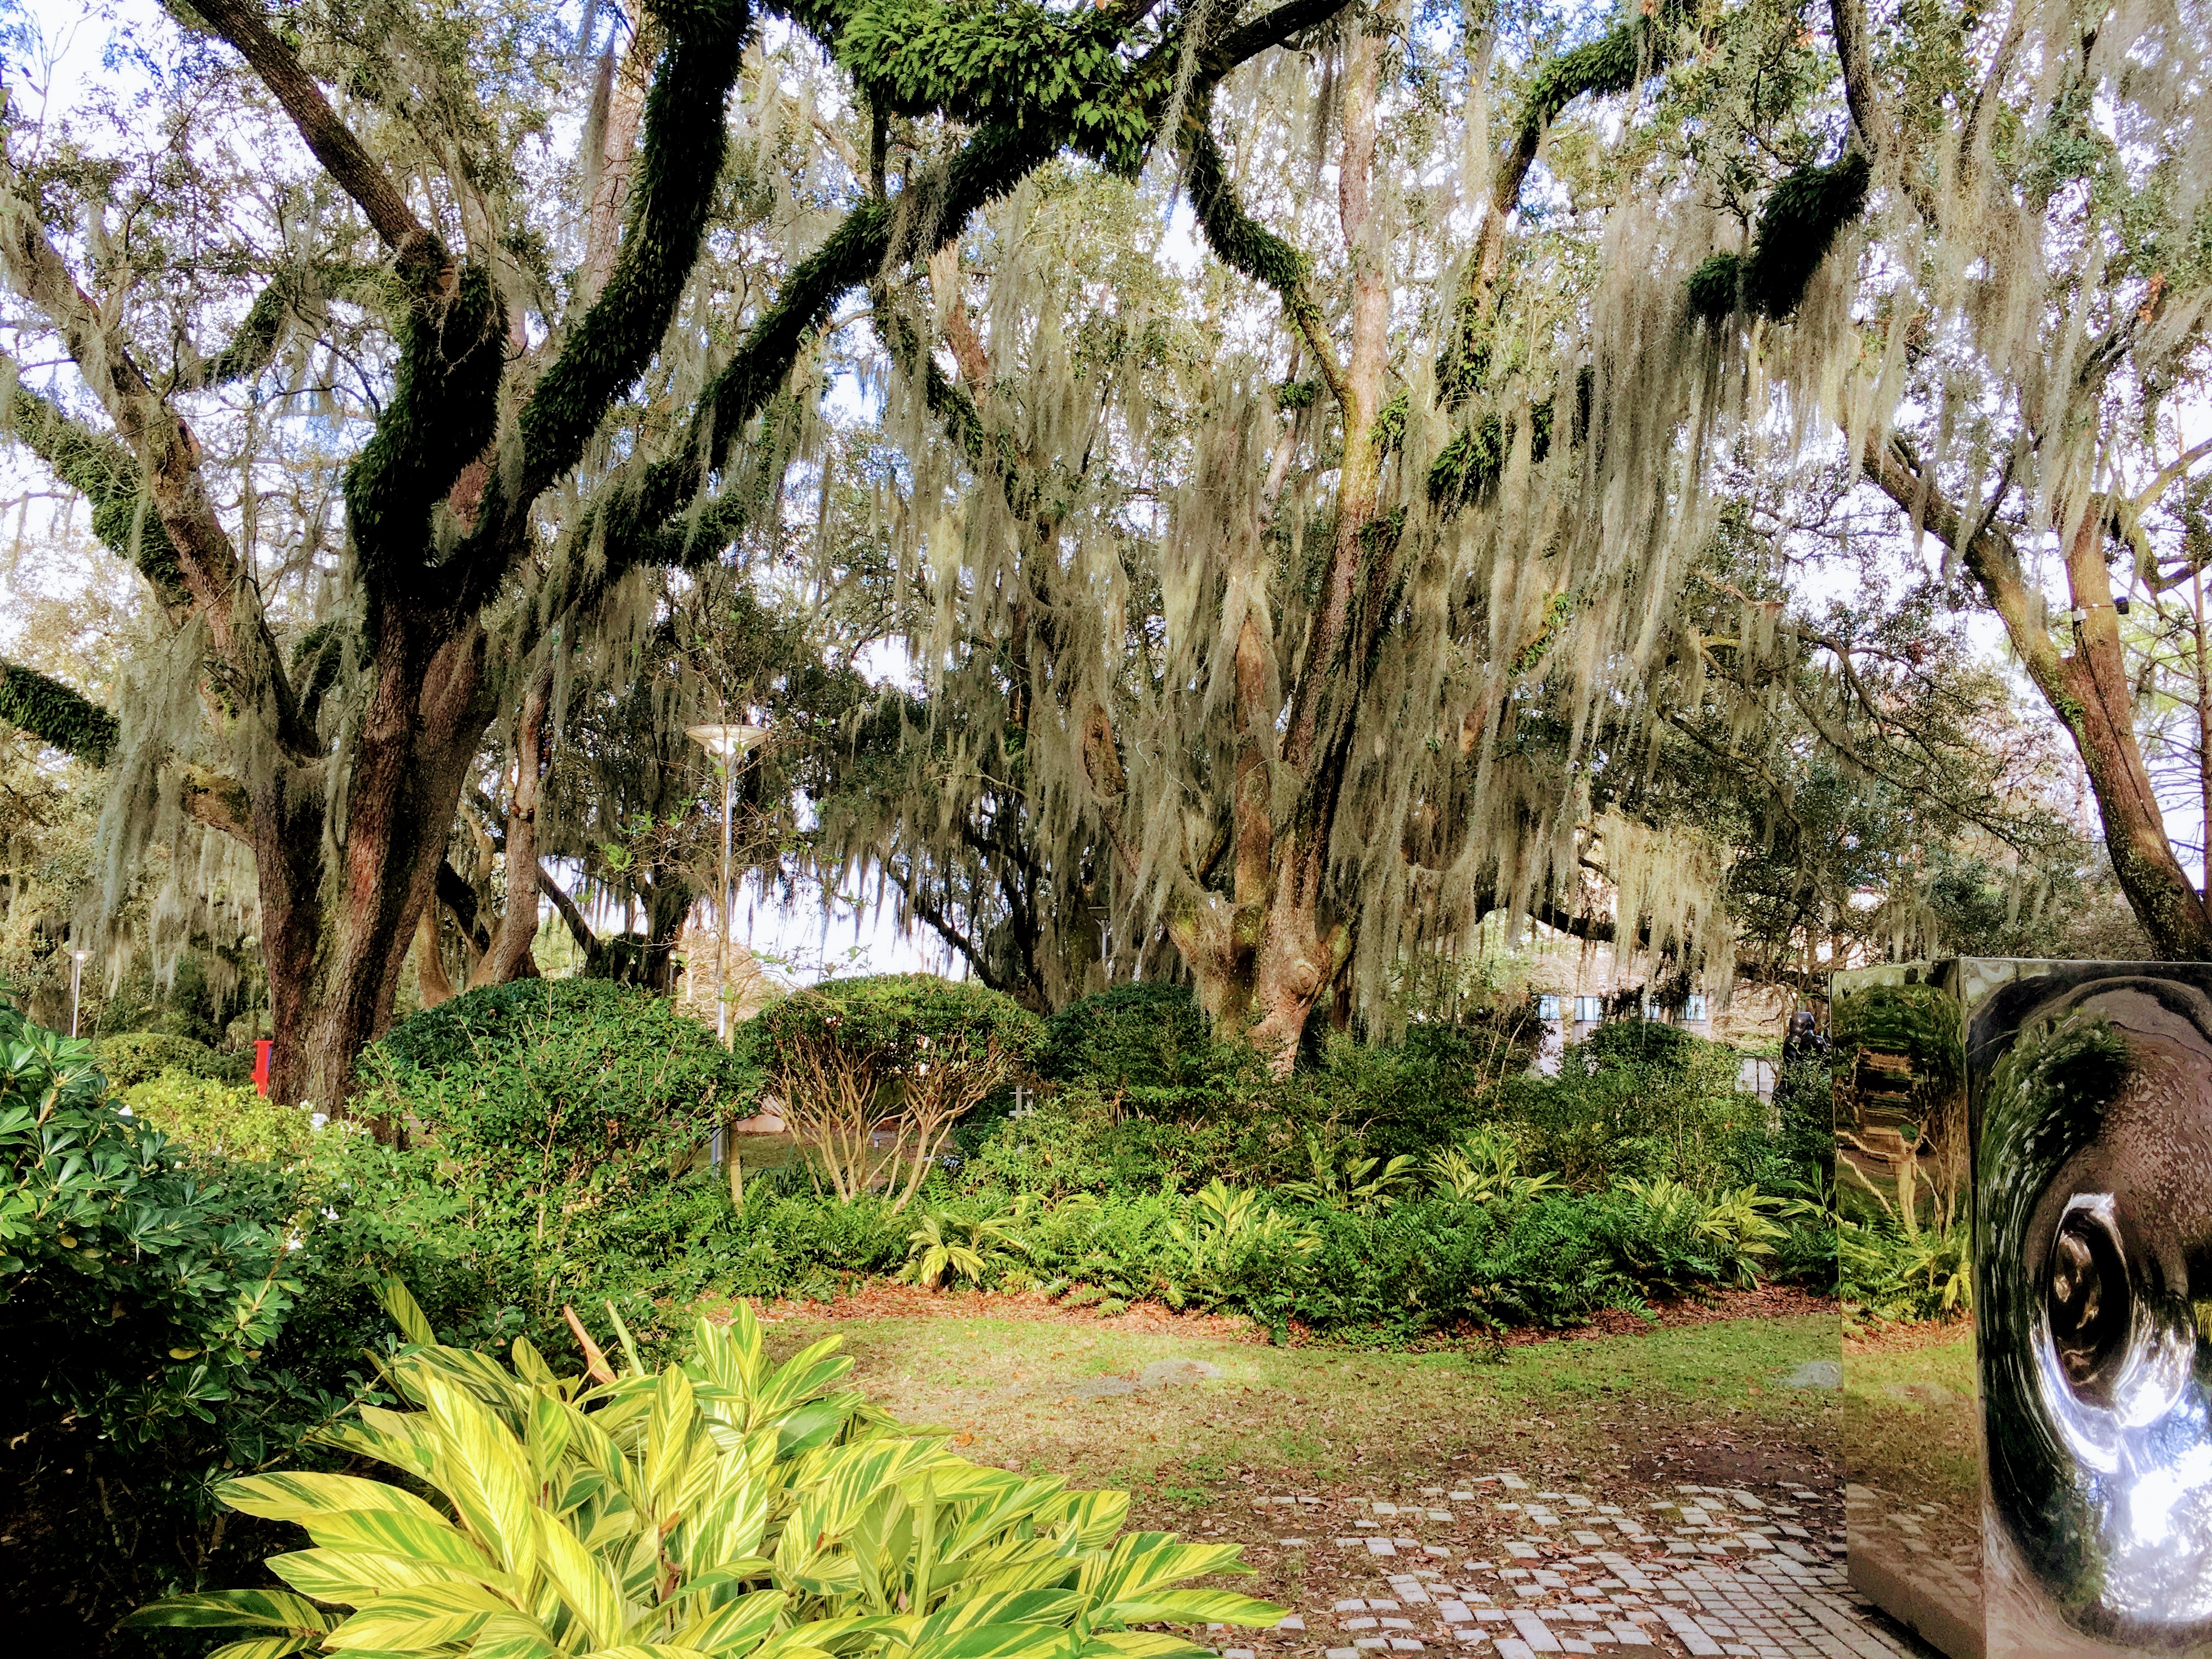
x=728 y=745
x=76 y=981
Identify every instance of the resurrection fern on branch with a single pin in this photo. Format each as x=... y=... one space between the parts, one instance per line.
x=55 y=714
x=1803 y=215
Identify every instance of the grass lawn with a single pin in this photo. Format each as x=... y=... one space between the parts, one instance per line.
x=1021 y=1386
x=1612 y=1420
x=1908 y=1421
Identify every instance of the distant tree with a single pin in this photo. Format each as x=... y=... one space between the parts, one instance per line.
x=491 y=509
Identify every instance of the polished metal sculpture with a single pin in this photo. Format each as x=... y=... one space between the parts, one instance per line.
x=2087 y=1091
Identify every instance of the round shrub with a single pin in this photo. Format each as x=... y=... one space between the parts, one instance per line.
x=221 y=1120
x=586 y=1067
x=1148 y=1042
x=564 y=1113
x=138 y=1056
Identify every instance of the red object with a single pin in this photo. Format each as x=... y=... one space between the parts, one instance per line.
x=261 y=1048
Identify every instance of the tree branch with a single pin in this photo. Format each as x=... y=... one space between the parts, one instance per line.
x=342 y=155
x=55 y=714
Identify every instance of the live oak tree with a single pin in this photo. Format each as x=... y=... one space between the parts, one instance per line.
x=1291 y=620
x=487 y=509
x=2011 y=363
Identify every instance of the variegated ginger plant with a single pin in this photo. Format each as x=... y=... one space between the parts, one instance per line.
x=726 y=1507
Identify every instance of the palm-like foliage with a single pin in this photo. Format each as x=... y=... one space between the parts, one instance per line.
x=1484 y=1169
x=1226 y=1221
x=1361 y=1185
x=944 y=1246
x=1737 y=1229
x=725 y=1508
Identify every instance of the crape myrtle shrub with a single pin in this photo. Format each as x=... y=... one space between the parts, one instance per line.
x=874 y=1073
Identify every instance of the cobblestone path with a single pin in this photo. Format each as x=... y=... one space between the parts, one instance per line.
x=1495 y=1567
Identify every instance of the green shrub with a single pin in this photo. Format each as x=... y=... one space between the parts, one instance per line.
x=1888 y=1276
x=135 y=1298
x=141 y=1297
x=1639 y=1101
x=140 y=1057
x=911 y=1052
x=560 y=1117
x=221 y=1120
x=1405 y=1101
x=1149 y=1044
x=1081 y=1140
x=724 y=1506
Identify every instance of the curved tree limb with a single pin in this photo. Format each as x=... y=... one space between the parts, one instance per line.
x=57 y=715
x=342 y=155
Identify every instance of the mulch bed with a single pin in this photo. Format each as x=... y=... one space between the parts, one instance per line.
x=881 y=1299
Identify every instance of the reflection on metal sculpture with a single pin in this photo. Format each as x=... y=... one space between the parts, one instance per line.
x=2092 y=1087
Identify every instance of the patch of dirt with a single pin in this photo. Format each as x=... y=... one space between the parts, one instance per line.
x=1903 y=1339
x=1736 y=1454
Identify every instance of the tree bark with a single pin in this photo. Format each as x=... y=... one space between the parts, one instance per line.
x=2087 y=689
x=1300 y=952
x=518 y=923
x=431 y=983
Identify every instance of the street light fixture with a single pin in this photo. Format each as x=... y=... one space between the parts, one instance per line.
x=76 y=981
x=728 y=745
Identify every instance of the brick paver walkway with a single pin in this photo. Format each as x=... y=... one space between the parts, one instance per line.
x=1698 y=1570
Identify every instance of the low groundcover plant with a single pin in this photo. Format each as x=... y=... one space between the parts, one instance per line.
x=724 y=1507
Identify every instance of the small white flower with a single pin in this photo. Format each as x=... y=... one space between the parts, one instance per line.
x=319 y=1120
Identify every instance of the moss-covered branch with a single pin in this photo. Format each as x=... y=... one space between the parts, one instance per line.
x=242 y=23
x=643 y=521
x=443 y=405
x=57 y=715
x=1802 y=217
x=1244 y=244
x=981 y=61
x=1639 y=46
x=105 y=474
x=684 y=137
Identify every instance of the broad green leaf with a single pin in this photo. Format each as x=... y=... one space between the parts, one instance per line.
x=352 y=1577
x=1140 y=1645
x=579 y=1580
x=307 y=1498
x=266 y=1647
x=735 y=1627
x=484 y=1472
x=996 y=1642
x=1193 y=1606
x=214 y=1609
x=393 y=1624
x=406 y=1313
x=1096 y=1517
x=1024 y=1607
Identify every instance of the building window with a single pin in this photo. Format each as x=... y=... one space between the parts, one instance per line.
x=1588 y=1009
x=1547 y=1007
x=1694 y=1009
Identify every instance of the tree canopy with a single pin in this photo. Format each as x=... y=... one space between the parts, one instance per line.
x=1238 y=493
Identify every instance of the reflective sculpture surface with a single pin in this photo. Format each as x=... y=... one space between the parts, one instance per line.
x=2089 y=1096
